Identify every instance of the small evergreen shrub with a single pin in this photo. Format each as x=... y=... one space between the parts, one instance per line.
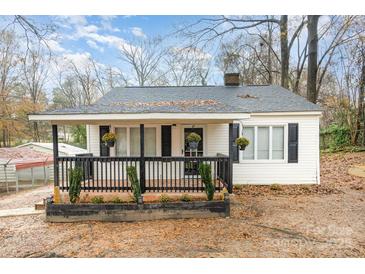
x=186 y=198
x=136 y=188
x=205 y=171
x=164 y=198
x=75 y=184
x=97 y=200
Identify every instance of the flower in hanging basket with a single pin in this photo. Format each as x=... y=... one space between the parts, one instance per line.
x=242 y=142
x=193 y=139
x=109 y=139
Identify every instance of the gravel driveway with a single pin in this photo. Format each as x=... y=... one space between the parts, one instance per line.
x=291 y=221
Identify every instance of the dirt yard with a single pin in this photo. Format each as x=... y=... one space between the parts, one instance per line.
x=291 y=221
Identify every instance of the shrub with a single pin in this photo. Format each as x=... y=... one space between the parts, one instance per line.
x=186 y=198
x=205 y=171
x=242 y=142
x=109 y=137
x=193 y=137
x=275 y=187
x=75 y=184
x=335 y=137
x=97 y=200
x=117 y=200
x=164 y=198
x=136 y=188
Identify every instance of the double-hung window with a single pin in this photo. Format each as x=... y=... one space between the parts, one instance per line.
x=266 y=142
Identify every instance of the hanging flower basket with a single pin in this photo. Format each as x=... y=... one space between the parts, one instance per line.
x=193 y=145
x=109 y=139
x=242 y=143
x=110 y=143
x=193 y=140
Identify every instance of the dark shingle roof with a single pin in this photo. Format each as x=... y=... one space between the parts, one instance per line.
x=221 y=99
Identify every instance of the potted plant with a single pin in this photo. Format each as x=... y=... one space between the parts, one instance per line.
x=109 y=139
x=242 y=142
x=193 y=140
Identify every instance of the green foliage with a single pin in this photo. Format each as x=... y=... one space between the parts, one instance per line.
x=75 y=184
x=335 y=137
x=79 y=135
x=97 y=200
x=109 y=137
x=164 y=198
x=186 y=198
x=205 y=171
x=242 y=142
x=117 y=200
x=136 y=188
x=193 y=137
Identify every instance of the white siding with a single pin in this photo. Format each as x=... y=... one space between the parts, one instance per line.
x=306 y=171
x=92 y=135
x=217 y=139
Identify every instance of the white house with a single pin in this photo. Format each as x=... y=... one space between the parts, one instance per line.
x=152 y=123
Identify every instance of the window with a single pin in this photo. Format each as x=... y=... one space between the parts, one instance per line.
x=249 y=152
x=266 y=143
x=278 y=143
x=149 y=142
x=263 y=143
x=134 y=142
x=121 y=143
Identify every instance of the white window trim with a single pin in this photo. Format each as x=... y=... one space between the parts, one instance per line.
x=128 y=127
x=270 y=160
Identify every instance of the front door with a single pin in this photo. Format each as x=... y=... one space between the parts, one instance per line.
x=191 y=167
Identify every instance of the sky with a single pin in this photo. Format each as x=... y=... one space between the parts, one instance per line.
x=78 y=37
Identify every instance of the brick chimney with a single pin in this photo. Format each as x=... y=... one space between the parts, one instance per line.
x=232 y=79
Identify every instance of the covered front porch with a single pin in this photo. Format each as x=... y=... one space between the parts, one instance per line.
x=169 y=166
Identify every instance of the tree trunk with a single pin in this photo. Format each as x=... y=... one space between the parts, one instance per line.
x=284 y=48
x=360 y=107
x=312 y=95
x=35 y=132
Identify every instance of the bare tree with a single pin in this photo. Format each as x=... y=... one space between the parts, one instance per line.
x=35 y=71
x=187 y=66
x=144 y=58
x=210 y=29
x=8 y=76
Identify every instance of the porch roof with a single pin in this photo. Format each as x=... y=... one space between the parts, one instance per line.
x=202 y=100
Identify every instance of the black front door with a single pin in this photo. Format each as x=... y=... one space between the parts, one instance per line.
x=191 y=167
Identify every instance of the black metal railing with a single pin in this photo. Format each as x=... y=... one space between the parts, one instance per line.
x=161 y=174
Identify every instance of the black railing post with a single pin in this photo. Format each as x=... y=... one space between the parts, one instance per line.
x=230 y=165
x=55 y=154
x=142 y=170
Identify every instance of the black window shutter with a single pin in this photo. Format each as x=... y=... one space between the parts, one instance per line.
x=104 y=150
x=293 y=143
x=166 y=140
x=236 y=134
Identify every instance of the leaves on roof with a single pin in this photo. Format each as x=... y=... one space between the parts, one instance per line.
x=182 y=104
x=246 y=96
